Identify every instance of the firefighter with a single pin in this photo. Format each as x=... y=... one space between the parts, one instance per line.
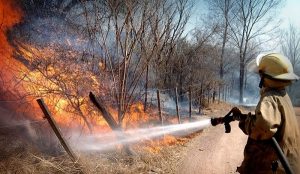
x=274 y=117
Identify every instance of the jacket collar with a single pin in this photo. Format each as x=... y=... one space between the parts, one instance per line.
x=272 y=91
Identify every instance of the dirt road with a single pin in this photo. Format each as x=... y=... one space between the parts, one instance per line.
x=215 y=152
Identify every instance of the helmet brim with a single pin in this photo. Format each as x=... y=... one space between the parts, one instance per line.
x=252 y=66
x=286 y=76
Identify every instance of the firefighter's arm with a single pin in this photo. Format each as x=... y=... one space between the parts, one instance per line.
x=264 y=124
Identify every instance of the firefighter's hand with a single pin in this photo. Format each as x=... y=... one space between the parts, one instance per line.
x=234 y=114
x=228 y=119
x=237 y=114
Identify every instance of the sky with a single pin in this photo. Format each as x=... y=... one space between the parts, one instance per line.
x=290 y=13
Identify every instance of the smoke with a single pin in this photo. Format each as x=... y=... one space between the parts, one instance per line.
x=168 y=103
x=19 y=127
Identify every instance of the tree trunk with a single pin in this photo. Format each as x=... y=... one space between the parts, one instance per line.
x=223 y=51
x=245 y=80
x=241 y=86
x=208 y=96
x=146 y=88
x=177 y=108
x=219 y=93
x=214 y=95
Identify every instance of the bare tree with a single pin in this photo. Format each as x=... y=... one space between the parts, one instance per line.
x=173 y=16
x=106 y=48
x=290 y=46
x=131 y=34
x=221 y=12
x=251 y=20
x=196 y=65
x=59 y=77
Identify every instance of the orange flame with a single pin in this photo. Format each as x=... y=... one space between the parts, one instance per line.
x=135 y=116
x=10 y=14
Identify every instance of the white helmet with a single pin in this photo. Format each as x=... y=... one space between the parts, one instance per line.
x=273 y=65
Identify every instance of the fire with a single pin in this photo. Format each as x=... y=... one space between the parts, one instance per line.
x=10 y=14
x=63 y=83
x=59 y=84
x=10 y=89
x=135 y=116
x=60 y=106
x=155 y=146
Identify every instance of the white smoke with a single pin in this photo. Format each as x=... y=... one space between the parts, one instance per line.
x=111 y=140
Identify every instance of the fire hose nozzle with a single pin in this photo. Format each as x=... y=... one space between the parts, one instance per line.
x=226 y=120
x=221 y=120
x=216 y=121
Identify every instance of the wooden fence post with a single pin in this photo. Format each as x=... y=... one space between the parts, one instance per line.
x=200 y=98
x=106 y=115
x=226 y=94
x=56 y=129
x=146 y=88
x=177 y=109
x=214 y=95
x=200 y=104
x=208 y=96
x=219 y=93
x=111 y=121
x=190 y=103
x=159 y=108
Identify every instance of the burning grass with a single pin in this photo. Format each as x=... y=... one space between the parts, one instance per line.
x=155 y=157
x=160 y=155
x=64 y=78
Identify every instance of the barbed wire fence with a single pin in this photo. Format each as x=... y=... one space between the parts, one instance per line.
x=189 y=102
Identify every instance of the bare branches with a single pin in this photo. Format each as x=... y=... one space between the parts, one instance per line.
x=250 y=23
x=131 y=34
x=290 y=45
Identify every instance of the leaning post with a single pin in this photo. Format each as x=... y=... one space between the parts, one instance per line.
x=56 y=130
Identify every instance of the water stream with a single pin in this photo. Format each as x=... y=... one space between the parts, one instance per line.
x=111 y=140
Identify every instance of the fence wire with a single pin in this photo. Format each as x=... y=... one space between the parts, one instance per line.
x=26 y=123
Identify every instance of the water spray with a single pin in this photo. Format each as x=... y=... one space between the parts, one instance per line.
x=107 y=141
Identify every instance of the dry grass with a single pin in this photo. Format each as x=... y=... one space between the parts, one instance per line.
x=18 y=157
x=144 y=161
x=113 y=162
x=26 y=162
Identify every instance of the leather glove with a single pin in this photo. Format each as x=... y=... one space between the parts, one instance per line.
x=232 y=115
x=237 y=114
